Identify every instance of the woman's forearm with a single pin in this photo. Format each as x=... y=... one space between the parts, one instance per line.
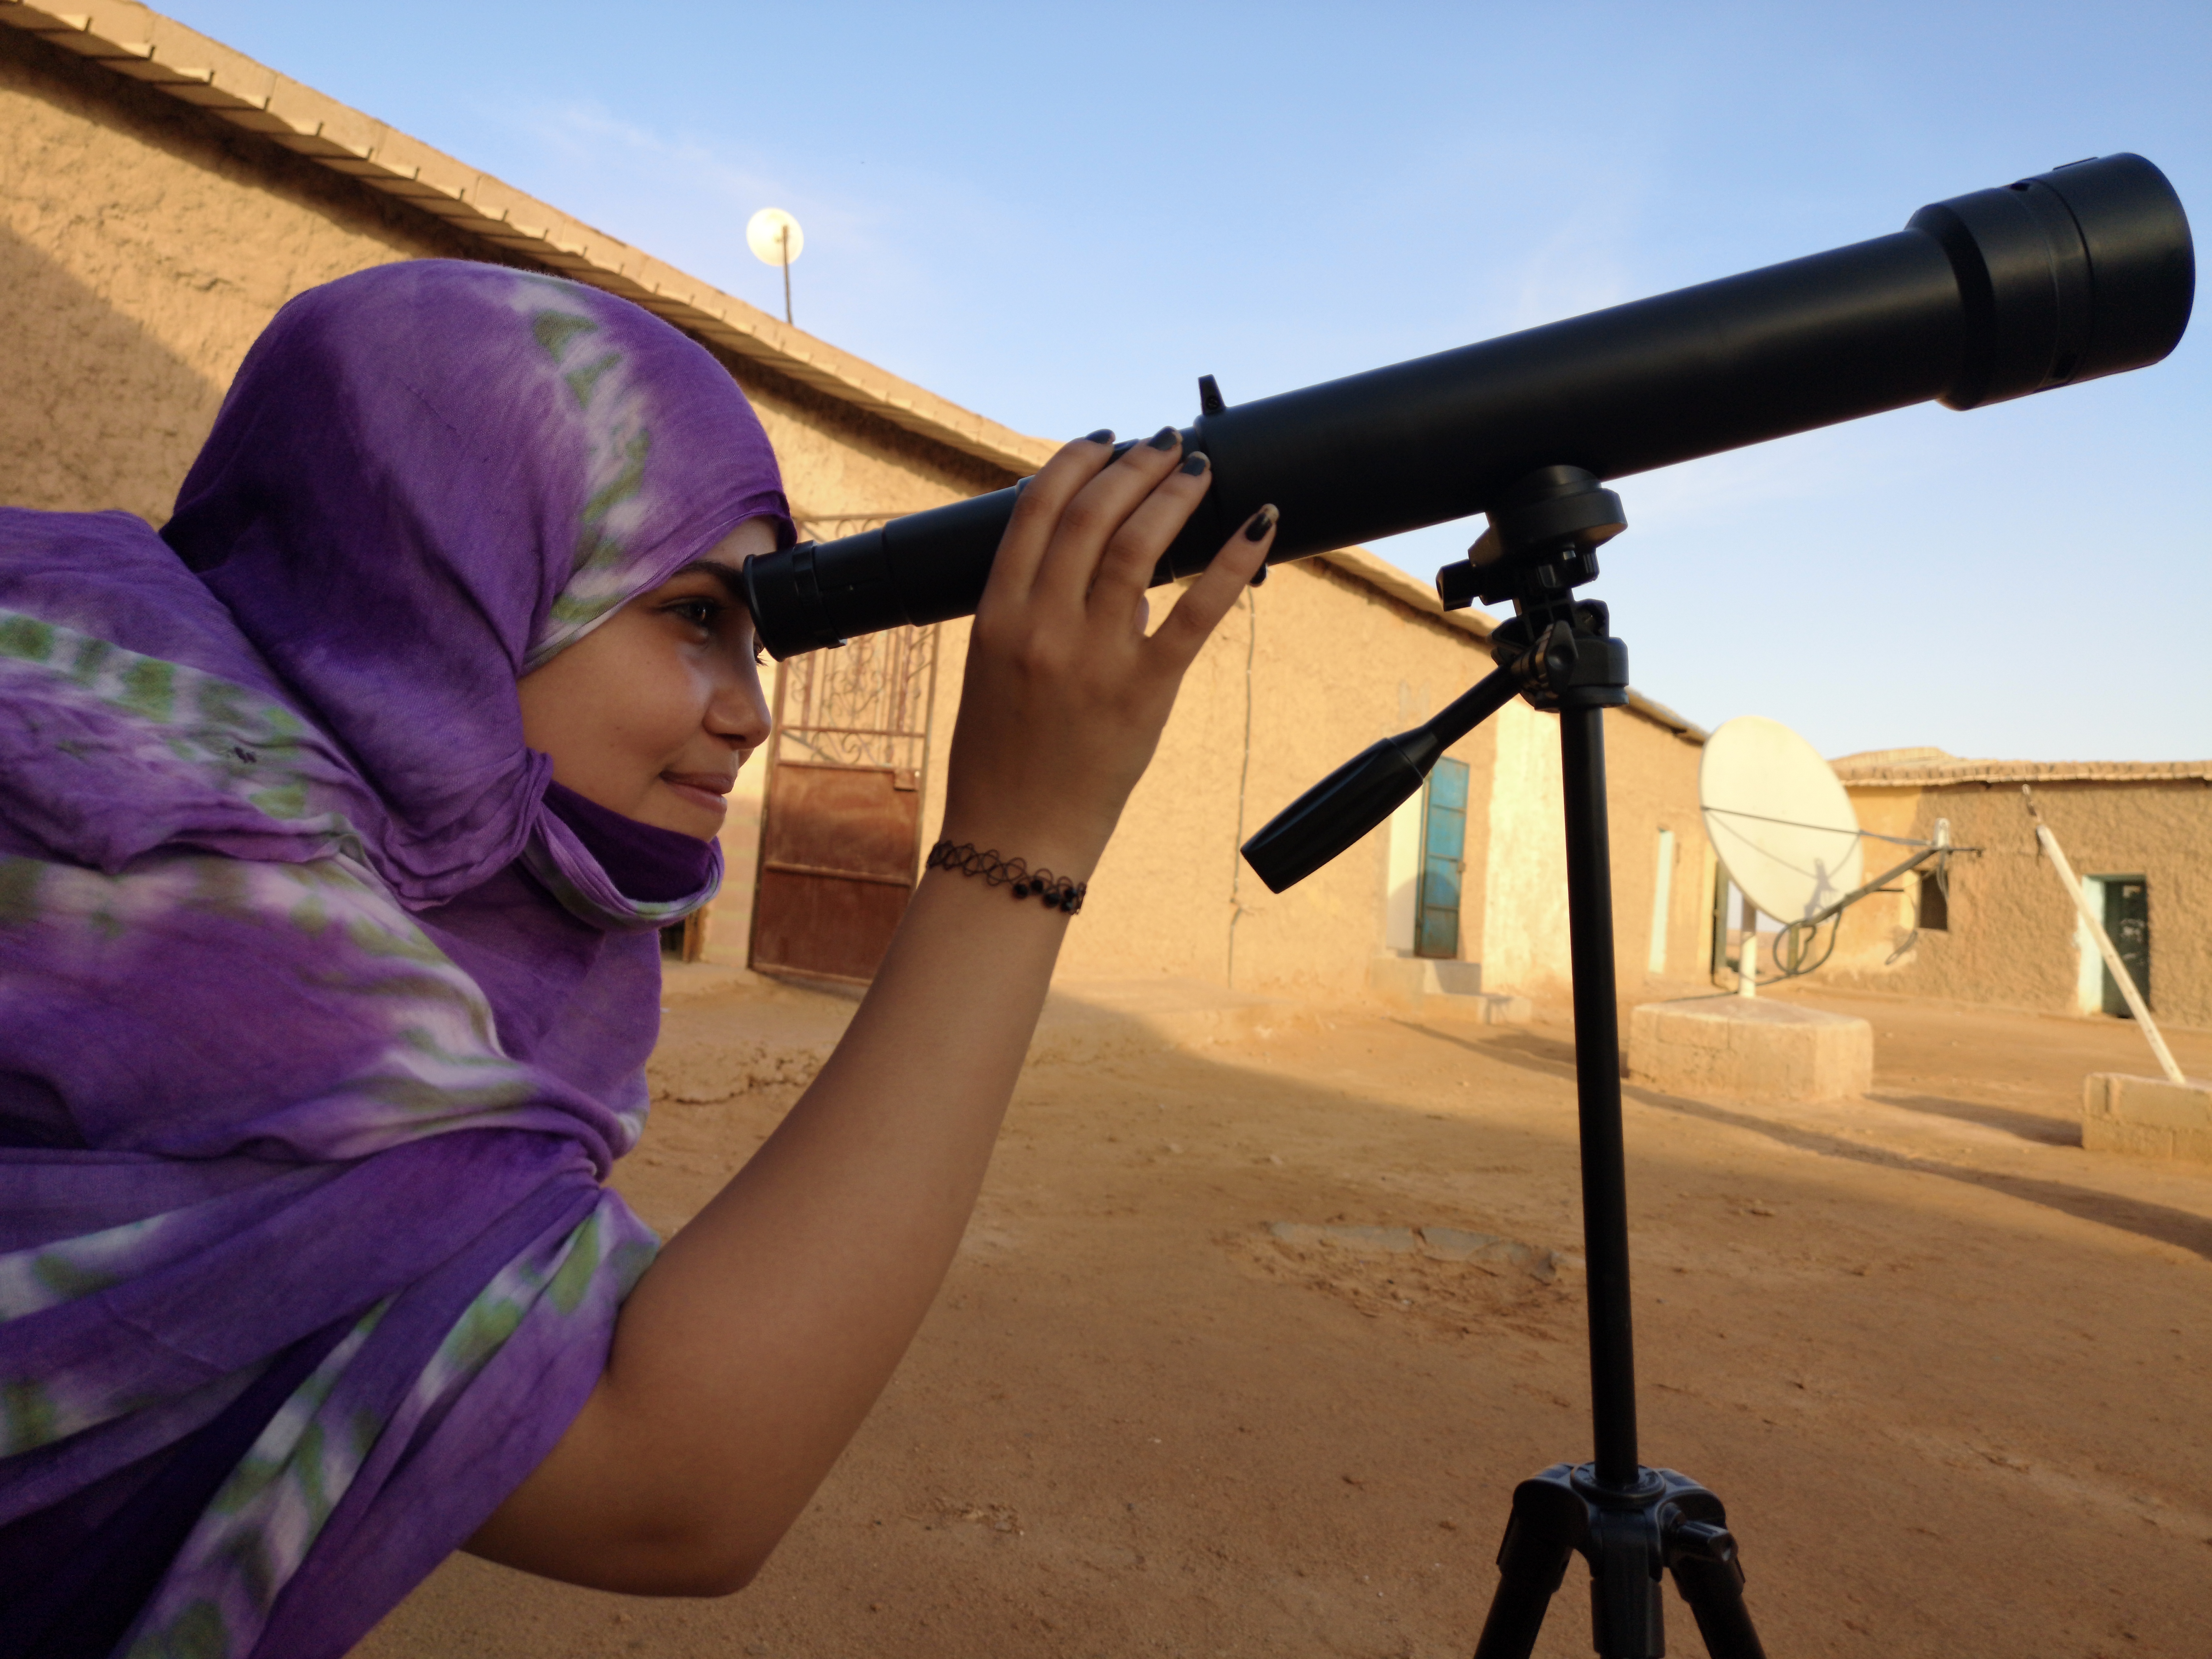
x=757 y=1342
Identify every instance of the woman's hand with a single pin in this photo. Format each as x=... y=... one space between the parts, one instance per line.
x=1066 y=694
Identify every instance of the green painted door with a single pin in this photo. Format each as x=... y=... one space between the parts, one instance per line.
x=1443 y=858
x=2127 y=923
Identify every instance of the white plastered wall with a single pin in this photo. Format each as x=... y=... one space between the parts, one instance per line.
x=1662 y=893
x=2090 y=975
x=1402 y=875
x=1524 y=927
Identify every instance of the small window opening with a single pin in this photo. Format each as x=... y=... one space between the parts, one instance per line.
x=1935 y=904
x=2127 y=923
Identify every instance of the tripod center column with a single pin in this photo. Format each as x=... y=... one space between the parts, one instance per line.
x=1597 y=1085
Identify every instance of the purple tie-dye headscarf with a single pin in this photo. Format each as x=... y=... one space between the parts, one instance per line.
x=319 y=1030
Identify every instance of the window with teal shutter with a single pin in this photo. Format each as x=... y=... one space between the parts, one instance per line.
x=1443 y=860
x=2127 y=924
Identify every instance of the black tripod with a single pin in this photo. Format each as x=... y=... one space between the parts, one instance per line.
x=1632 y=1524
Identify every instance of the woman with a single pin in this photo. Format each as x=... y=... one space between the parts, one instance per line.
x=337 y=827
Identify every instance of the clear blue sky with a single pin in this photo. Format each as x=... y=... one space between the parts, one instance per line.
x=1061 y=218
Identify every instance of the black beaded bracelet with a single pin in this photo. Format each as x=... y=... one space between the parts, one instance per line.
x=1057 y=892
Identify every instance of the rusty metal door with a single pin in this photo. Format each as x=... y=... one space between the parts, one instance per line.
x=841 y=836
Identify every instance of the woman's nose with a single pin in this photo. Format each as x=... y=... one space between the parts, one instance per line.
x=739 y=710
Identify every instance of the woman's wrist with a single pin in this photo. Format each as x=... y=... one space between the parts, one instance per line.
x=1039 y=845
x=1051 y=889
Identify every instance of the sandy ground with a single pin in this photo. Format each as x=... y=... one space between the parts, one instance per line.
x=1950 y=1373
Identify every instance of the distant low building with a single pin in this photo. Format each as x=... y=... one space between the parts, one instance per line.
x=2138 y=834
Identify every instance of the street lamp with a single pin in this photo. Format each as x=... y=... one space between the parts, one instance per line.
x=775 y=239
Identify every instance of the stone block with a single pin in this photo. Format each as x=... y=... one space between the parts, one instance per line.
x=1452 y=990
x=2147 y=1116
x=1749 y=1046
x=1454 y=979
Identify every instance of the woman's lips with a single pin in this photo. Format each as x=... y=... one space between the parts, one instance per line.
x=707 y=793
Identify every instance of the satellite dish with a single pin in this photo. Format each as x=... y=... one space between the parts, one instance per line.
x=765 y=234
x=1778 y=818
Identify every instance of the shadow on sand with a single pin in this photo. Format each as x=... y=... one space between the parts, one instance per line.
x=2193 y=1233
x=2028 y=1126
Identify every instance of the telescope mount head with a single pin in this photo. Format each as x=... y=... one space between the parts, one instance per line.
x=1544 y=534
x=1542 y=544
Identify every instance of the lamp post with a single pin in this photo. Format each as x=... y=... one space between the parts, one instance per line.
x=775 y=239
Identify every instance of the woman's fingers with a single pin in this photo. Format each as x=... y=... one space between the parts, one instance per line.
x=1091 y=526
x=1037 y=515
x=1100 y=513
x=1206 y=600
x=1133 y=551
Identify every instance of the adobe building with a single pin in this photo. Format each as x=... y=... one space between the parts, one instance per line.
x=162 y=195
x=2139 y=835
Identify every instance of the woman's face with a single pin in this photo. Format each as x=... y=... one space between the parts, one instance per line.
x=651 y=712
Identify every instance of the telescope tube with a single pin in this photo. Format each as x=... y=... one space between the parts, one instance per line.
x=2083 y=271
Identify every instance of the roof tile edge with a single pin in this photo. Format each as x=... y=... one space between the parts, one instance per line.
x=1945 y=774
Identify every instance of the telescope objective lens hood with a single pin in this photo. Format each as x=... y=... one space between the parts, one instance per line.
x=2083 y=271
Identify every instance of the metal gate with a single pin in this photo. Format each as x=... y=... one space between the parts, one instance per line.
x=841 y=834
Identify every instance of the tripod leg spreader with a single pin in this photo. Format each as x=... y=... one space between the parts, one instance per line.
x=1664 y=1522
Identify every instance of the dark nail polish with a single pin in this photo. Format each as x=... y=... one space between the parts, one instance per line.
x=1103 y=436
x=1166 y=437
x=1262 y=522
x=1197 y=464
x=1260 y=575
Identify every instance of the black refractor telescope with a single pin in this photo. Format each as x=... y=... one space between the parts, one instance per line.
x=2082 y=271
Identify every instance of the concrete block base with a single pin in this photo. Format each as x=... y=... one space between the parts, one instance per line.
x=1408 y=979
x=1453 y=990
x=1749 y=1046
x=2147 y=1116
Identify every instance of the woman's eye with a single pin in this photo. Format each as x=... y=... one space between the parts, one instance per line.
x=699 y=613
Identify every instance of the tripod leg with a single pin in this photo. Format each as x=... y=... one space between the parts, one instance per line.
x=1710 y=1578
x=1548 y=1521
x=1627 y=1621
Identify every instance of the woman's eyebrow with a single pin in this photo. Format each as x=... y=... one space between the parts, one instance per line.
x=733 y=582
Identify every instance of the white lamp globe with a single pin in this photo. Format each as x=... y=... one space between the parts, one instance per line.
x=765 y=236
